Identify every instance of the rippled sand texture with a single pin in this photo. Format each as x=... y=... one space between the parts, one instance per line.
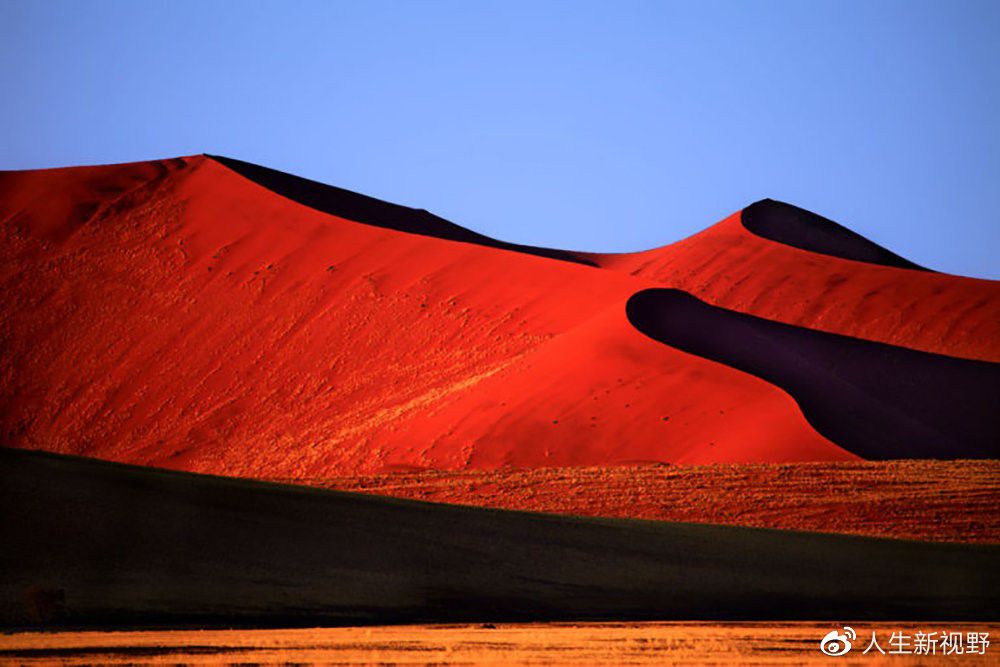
x=549 y=644
x=944 y=501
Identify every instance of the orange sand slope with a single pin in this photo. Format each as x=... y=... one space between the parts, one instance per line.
x=941 y=501
x=180 y=314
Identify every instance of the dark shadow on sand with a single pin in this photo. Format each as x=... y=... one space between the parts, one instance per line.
x=876 y=400
x=799 y=228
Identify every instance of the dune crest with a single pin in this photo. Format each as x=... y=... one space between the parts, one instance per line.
x=797 y=227
x=370 y=211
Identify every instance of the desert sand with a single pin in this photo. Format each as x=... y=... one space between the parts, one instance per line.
x=492 y=644
x=948 y=501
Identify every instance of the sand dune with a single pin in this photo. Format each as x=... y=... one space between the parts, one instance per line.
x=727 y=265
x=209 y=315
x=97 y=544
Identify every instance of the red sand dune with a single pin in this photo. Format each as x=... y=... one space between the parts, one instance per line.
x=178 y=314
x=729 y=266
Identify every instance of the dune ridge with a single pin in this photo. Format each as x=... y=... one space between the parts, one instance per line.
x=370 y=211
x=799 y=228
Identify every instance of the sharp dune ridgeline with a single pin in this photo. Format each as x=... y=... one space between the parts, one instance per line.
x=95 y=544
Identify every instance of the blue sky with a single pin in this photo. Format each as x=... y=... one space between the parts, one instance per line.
x=606 y=126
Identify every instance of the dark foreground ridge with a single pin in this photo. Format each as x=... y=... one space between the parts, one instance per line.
x=94 y=544
x=876 y=400
x=799 y=228
x=370 y=211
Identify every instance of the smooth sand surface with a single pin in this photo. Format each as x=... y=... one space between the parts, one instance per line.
x=728 y=265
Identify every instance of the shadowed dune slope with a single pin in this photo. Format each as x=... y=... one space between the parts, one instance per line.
x=803 y=229
x=878 y=401
x=92 y=543
x=198 y=321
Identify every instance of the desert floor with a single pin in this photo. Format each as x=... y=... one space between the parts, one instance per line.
x=537 y=644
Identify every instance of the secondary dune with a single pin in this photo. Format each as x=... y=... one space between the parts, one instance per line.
x=90 y=543
x=730 y=266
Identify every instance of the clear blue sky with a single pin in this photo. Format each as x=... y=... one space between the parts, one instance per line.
x=605 y=126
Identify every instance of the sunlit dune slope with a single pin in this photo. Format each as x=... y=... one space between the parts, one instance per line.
x=209 y=315
x=199 y=321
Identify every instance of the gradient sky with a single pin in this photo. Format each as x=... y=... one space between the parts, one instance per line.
x=607 y=126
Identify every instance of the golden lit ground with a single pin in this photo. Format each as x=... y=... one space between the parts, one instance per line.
x=537 y=644
x=950 y=501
